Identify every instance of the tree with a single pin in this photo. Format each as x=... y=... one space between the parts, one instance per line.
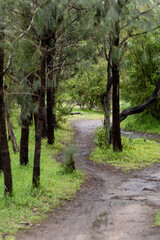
x=142 y=61
x=123 y=19
x=88 y=84
x=4 y=151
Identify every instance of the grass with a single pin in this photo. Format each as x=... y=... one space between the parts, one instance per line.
x=142 y=123
x=136 y=154
x=85 y=113
x=157 y=220
x=28 y=206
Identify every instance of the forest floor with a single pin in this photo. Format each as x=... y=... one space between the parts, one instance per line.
x=112 y=205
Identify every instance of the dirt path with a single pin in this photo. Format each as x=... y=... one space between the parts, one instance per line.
x=111 y=206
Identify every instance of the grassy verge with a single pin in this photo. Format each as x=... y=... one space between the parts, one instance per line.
x=137 y=153
x=142 y=123
x=157 y=220
x=28 y=206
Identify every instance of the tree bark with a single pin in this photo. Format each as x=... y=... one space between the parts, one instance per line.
x=11 y=134
x=24 y=142
x=54 y=106
x=39 y=122
x=3 y=136
x=116 y=133
x=50 y=96
x=140 y=108
x=1 y=164
x=50 y=119
x=108 y=100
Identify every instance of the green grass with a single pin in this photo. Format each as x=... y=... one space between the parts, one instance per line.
x=142 y=123
x=28 y=206
x=85 y=113
x=157 y=220
x=136 y=154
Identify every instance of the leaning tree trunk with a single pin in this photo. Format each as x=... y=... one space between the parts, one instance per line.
x=39 y=122
x=3 y=136
x=116 y=134
x=11 y=134
x=140 y=108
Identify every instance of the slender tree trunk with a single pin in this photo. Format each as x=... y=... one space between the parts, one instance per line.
x=1 y=164
x=108 y=100
x=38 y=129
x=3 y=136
x=24 y=142
x=50 y=118
x=45 y=125
x=50 y=98
x=116 y=133
x=54 y=106
x=11 y=134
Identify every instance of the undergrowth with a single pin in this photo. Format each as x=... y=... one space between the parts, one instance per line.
x=137 y=153
x=28 y=206
x=157 y=220
x=142 y=123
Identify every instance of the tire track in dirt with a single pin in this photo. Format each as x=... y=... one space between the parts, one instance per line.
x=112 y=205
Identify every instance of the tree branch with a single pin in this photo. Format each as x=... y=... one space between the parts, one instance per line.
x=19 y=37
x=141 y=14
x=140 y=108
x=137 y=34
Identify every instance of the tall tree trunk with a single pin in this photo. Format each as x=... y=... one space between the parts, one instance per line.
x=108 y=100
x=50 y=96
x=3 y=136
x=54 y=106
x=45 y=125
x=116 y=133
x=38 y=129
x=50 y=119
x=1 y=164
x=24 y=142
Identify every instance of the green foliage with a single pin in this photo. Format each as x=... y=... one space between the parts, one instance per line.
x=69 y=162
x=100 y=137
x=28 y=206
x=86 y=114
x=88 y=84
x=142 y=70
x=142 y=123
x=157 y=220
x=137 y=153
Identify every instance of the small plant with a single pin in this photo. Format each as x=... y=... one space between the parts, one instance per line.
x=69 y=162
x=100 y=137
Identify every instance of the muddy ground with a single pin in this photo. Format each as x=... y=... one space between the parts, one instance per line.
x=112 y=205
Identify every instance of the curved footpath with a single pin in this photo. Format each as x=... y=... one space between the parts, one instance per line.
x=112 y=205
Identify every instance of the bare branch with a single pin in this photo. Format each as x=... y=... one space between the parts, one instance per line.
x=141 y=14
x=136 y=34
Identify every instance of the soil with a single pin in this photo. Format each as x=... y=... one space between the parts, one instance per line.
x=112 y=205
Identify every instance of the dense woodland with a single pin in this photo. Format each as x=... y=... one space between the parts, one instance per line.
x=54 y=53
